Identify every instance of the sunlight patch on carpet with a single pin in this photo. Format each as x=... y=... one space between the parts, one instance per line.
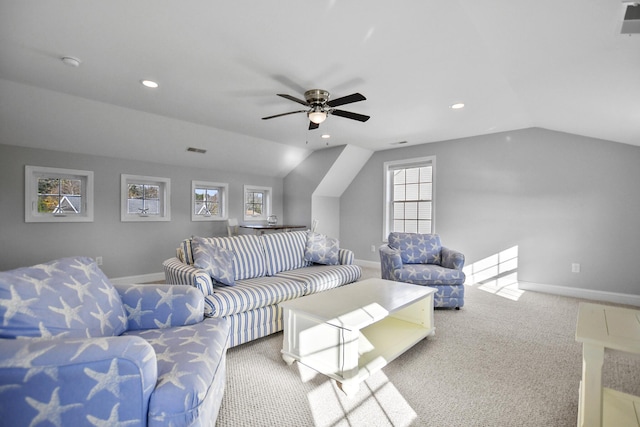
x=378 y=399
x=496 y=274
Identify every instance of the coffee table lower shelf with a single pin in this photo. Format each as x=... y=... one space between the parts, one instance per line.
x=619 y=409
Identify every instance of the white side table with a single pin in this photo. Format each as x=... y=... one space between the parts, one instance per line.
x=615 y=328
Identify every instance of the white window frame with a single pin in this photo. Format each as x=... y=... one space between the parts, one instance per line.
x=388 y=169
x=33 y=173
x=164 y=196
x=267 y=194
x=223 y=190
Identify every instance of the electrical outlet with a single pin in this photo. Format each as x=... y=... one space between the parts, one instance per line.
x=99 y=260
x=575 y=267
x=373 y=248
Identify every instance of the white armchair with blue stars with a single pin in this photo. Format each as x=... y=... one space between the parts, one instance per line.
x=420 y=259
x=77 y=350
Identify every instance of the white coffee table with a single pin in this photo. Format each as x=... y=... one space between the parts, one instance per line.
x=350 y=332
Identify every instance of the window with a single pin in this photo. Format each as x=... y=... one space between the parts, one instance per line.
x=257 y=203
x=145 y=198
x=58 y=195
x=409 y=201
x=208 y=201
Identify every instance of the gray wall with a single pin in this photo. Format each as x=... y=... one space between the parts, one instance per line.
x=301 y=182
x=127 y=248
x=559 y=198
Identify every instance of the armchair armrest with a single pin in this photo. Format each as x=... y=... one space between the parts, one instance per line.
x=74 y=380
x=161 y=306
x=452 y=258
x=179 y=273
x=390 y=261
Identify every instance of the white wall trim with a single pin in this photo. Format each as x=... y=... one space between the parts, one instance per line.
x=141 y=278
x=366 y=263
x=618 y=298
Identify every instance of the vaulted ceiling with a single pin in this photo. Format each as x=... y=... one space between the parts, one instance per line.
x=561 y=65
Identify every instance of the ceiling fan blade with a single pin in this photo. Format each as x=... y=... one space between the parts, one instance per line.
x=313 y=126
x=350 y=115
x=293 y=98
x=354 y=97
x=284 y=114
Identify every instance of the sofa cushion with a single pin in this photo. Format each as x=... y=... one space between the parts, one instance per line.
x=417 y=248
x=284 y=251
x=215 y=260
x=424 y=274
x=248 y=254
x=69 y=296
x=321 y=249
x=252 y=293
x=318 y=278
x=190 y=359
x=184 y=252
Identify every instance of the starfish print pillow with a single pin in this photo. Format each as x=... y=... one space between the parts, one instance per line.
x=321 y=249
x=215 y=260
x=69 y=296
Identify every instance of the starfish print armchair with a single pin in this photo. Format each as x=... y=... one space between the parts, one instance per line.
x=77 y=350
x=421 y=259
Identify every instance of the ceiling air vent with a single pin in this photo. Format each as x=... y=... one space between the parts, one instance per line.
x=631 y=23
x=399 y=143
x=196 y=150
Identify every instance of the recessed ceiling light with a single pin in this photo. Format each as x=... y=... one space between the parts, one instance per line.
x=326 y=136
x=149 y=83
x=457 y=106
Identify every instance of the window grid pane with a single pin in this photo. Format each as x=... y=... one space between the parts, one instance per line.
x=60 y=195
x=254 y=205
x=412 y=199
x=207 y=201
x=143 y=199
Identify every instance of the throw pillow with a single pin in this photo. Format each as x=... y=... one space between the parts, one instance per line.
x=215 y=260
x=321 y=249
x=69 y=296
x=417 y=248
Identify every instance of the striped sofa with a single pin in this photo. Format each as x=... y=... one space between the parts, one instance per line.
x=268 y=269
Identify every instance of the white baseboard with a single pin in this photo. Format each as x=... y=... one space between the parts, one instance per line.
x=142 y=278
x=589 y=294
x=368 y=264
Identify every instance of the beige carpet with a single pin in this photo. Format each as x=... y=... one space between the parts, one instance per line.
x=496 y=362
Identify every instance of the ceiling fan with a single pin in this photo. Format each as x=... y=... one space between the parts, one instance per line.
x=319 y=107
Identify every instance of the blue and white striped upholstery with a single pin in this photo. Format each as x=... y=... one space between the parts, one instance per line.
x=346 y=256
x=176 y=272
x=184 y=252
x=318 y=278
x=252 y=293
x=285 y=251
x=248 y=254
x=253 y=324
x=252 y=304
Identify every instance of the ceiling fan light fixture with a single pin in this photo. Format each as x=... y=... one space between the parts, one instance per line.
x=317 y=116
